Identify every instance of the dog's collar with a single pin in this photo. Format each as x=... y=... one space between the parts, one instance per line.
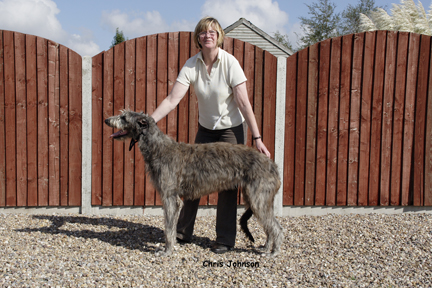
x=132 y=143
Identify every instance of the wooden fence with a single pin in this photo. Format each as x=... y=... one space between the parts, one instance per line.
x=358 y=129
x=138 y=74
x=358 y=122
x=40 y=122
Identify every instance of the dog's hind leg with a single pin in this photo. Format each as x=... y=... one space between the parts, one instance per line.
x=264 y=212
x=172 y=206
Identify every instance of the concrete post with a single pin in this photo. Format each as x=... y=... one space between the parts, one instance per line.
x=86 y=135
x=280 y=129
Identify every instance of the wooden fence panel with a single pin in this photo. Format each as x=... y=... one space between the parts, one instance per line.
x=2 y=127
x=357 y=127
x=138 y=74
x=373 y=130
x=40 y=112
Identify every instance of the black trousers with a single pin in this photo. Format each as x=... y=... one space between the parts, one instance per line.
x=226 y=216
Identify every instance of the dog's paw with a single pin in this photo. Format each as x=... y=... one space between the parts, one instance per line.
x=264 y=251
x=162 y=252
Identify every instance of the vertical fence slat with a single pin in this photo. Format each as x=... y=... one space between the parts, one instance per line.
x=344 y=118
x=269 y=101
x=375 y=148
x=399 y=104
x=183 y=107
x=129 y=156
x=248 y=68
x=2 y=126
x=31 y=72
x=140 y=105
x=420 y=120
x=321 y=161
x=10 y=114
x=333 y=114
x=365 y=125
x=289 y=152
x=300 y=146
x=311 y=130
x=21 y=119
x=413 y=57
x=161 y=83
x=387 y=118
x=354 y=142
x=238 y=52
x=42 y=112
x=193 y=102
x=151 y=99
x=75 y=128
x=161 y=74
x=173 y=70
x=64 y=125
x=98 y=137
x=428 y=144
x=53 y=127
x=108 y=144
x=119 y=103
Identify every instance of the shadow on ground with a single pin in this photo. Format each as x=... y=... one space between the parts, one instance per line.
x=130 y=235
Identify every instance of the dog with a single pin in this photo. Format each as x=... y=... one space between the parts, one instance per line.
x=195 y=170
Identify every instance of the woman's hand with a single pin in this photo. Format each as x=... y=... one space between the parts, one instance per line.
x=262 y=148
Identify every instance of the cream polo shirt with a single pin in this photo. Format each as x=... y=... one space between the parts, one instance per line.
x=214 y=91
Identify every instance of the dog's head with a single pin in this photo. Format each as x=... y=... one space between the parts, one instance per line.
x=130 y=124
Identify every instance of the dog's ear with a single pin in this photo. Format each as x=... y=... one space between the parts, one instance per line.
x=143 y=123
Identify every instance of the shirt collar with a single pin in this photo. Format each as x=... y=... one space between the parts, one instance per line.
x=219 y=57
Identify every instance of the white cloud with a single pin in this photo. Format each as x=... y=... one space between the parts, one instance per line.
x=83 y=44
x=265 y=14
x=39 y=17
x=134 y=24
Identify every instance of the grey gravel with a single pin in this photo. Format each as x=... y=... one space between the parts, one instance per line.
x=105 y=251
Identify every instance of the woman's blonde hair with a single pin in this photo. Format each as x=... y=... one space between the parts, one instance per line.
x=205 y=24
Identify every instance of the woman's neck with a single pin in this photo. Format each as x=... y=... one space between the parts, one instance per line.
x=210 y=56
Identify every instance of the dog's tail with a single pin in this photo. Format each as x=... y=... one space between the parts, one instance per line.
x=243 y=223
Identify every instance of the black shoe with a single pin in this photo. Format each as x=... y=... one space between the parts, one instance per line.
x=220 y=248
x=181 y=241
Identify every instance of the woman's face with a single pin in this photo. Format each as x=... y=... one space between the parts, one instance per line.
x=208 y=38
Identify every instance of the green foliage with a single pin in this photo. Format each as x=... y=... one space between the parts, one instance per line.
x=283 y=40
x=118 y=38
x=322 y=23
x=325 y=23
x=351 y=16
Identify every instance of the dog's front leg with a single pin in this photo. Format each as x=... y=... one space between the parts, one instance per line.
x=172 y=206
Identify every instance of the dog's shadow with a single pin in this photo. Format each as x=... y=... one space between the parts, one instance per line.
x=130 y=235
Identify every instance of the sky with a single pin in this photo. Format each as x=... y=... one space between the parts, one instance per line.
x=88 y=26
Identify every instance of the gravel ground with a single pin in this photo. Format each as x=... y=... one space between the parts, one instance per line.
x=334 y=250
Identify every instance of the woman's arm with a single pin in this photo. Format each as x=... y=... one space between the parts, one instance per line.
x=242 y=100
x=170 y=102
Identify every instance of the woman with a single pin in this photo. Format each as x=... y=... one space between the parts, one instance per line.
x=220 y=85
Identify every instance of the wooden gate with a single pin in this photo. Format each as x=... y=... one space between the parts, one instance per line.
x=138 y=74
x=40 y=122
x=357 y=125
